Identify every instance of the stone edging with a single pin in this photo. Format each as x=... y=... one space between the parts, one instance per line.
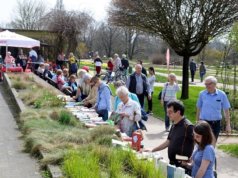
x=6 y=81
x=54 y=170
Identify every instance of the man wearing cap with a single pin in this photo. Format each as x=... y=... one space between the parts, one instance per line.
x=210 y=104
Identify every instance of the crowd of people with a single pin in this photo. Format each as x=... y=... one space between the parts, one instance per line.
x=32 y=60
x=115 y=64
x=195 y=142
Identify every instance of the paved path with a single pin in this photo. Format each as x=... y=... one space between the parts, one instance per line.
x=226 y=164
x=13 y=162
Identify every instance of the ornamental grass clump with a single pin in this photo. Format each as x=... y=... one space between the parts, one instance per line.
x=66 y=117
x=47 y=99
x=113 y=163
x=19 y=85
x=115 y=167
x=81 y=165
x=101 y=131
x=29 y=96
x=48 y=135
x=105 y=140
x=54 y=158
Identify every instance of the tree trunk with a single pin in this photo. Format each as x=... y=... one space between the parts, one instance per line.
x=185 y=78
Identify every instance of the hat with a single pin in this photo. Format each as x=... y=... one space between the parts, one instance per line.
x=86 y=68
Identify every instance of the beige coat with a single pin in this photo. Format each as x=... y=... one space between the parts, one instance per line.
x=92 y=97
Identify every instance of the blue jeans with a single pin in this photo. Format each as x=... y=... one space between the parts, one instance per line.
x=202 y=75
x=166 y=118
x=103 y=113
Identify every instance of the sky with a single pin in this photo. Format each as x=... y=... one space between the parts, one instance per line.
x=97 y=8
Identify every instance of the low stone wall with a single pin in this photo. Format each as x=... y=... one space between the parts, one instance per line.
x=13 y=93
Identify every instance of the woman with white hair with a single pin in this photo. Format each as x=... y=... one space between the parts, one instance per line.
x=129 y=110
x=9 y=60
x=168 y=94
x=116 y=62
x=117 y=100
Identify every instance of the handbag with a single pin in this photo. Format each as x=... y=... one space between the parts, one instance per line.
x=144 y=116
x=215 y=168
x=138 y=125
x=159 y=96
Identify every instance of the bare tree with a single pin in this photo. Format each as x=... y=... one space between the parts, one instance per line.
x=108 y=38
x=68 y=25
x=131 y=40
x=59 y=5
x=88 y=35
x=186 y=25
x=28 y=14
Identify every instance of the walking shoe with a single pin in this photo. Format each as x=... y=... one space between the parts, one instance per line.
x=167 y=129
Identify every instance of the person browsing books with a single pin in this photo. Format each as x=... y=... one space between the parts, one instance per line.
x=203 y=157
x=129 y=110
x=180 y=139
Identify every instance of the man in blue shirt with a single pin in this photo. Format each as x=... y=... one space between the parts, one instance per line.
x=103 y=103
x=210 y=104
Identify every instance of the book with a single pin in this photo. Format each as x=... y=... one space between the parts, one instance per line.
x=181 y=157
x=170 y=171
x=179 y=172
x=162 y=166
x=115 y=117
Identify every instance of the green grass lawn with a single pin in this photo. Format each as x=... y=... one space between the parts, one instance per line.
x=190 y=104
x=230 y=148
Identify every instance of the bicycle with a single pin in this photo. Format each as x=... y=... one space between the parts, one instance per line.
x=120 y=74
x=107 y=76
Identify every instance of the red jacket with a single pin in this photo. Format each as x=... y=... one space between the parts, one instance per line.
x=110 y=65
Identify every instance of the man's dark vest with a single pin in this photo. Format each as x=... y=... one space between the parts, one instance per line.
x=132 y=85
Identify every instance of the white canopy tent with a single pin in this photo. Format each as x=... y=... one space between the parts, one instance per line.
x=11 y=39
